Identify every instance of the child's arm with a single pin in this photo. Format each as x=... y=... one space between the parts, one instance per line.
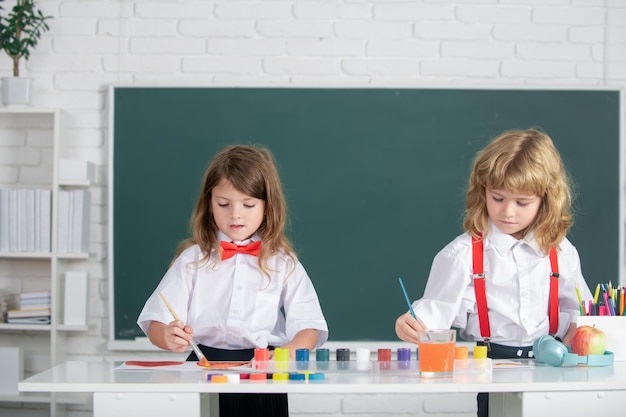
x=174 y=336
x=304 y=339
x=407 y=327
x=568 y=336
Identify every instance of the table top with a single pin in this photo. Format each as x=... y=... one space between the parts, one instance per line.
x=102 y=376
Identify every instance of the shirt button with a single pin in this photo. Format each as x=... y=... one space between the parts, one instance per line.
x=524 y=320
x=235 y=311
x=239 y=287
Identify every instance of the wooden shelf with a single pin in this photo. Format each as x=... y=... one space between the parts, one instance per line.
x=25 y=327
x=81 y=255
x=74 y=183
x=49 y=268
x=74 y=399
x=72 y=328
x=26 y=255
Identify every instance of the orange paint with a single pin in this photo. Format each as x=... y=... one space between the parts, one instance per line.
x=461 y=352
x=153 y=363
x=203 y=362
x=436 y=358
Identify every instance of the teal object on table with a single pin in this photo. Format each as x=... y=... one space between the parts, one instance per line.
x=548 y=350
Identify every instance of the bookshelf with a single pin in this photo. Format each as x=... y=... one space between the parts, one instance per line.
x=33 y=144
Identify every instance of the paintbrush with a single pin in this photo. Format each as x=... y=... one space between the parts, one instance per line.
x=408 y=301
x=201 y=358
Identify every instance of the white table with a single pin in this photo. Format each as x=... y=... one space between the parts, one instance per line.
x=544 y=390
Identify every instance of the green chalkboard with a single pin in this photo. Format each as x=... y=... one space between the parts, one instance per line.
x=374 y=178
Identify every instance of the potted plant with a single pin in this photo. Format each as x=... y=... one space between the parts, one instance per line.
x=20 y=31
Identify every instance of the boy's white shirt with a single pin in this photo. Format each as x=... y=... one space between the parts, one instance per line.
x=517 y=277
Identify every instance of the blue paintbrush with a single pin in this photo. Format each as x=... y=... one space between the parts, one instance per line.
x=408 y=301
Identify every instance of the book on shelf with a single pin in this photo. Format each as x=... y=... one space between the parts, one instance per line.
x=74 y=218
x=29 y=320
x=25 y=216
x=13 y=223
x=30 y=300
x=35 y=306
x=35 y=294
x=39 y=302
x=31 y=312
x=46 y=220
x=80 y=221
x=20 y=216
x=25 y=220
x=33 y=300
x=28 y=220
x=4 y=305
x=36 y=223
x=75 y=298
x=12 y=365
x=76 y=170
x=63 y=237
x=4 y=219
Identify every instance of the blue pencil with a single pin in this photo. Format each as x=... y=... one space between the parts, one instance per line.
x=408 y=301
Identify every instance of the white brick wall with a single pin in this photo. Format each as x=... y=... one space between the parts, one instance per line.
x=417 y=43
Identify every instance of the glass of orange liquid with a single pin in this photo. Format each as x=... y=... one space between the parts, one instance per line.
x=436 y=353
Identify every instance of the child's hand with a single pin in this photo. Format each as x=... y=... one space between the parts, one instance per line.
x=177 y=336
x=304 y=339
x=407 y=327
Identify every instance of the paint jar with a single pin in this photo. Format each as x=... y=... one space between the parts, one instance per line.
x=404 y=358
x=322 y=356
x=384 y=359
x=343 y=358
x=302 y=359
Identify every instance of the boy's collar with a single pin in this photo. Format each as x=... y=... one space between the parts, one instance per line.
x=504 y=242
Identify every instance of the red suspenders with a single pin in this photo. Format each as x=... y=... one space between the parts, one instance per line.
x=553 y=304
x=481 y=296
x=478 y=266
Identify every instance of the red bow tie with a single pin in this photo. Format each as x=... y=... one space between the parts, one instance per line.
x=230 y=249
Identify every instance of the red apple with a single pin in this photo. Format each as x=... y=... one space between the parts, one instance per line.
x=588 y=340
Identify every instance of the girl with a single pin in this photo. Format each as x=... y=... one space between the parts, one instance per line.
x=236 y=284
x=494 y=281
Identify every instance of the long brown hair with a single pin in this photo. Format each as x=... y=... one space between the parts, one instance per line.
x=525 y=162
x=252 y=171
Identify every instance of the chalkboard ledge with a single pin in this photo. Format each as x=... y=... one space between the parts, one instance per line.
x=142 y=344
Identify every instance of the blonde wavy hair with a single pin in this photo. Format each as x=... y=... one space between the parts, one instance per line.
x=522 y=162
x=251 y=170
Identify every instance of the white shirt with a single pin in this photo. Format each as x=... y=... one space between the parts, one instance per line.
x=231 y=304
x=517 y=282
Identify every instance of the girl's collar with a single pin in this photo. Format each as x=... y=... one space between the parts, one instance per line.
x=223 y=237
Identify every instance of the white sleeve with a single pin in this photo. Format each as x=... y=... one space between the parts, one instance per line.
x=173 y=286
x=302 y=307
x=448 y=295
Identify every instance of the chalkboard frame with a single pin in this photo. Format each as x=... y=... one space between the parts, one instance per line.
x=389 y=300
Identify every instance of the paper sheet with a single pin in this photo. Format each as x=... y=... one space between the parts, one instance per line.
x=512 y=363
x=181 y=366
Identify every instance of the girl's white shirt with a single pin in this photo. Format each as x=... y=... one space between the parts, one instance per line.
x=231 y=304
x=517 y=281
